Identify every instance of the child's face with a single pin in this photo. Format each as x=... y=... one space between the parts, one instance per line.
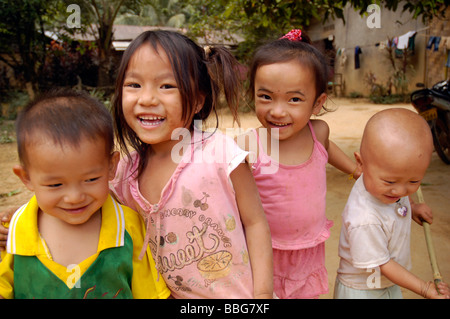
x=151 y=99
x=388 y=178
x=285 y=97
x=70 y=183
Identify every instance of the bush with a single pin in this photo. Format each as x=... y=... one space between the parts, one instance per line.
x=12 y=101
x=355 y=95
x=389 y=99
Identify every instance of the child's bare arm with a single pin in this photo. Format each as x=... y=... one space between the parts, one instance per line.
x=406 y=279
x=336 y=156
x=341 y=161
x=257 y=231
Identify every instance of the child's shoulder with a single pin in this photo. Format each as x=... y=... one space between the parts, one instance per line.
x=360 y=209
x=113 y=205
x=249 y=138
x=322 y=131
x=133 y=221
x=320 y=127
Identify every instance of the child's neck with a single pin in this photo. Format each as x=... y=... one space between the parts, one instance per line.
x=294 y=150
x=164 y=149
x=161 y=149
x=70 y=244
x=157 y=172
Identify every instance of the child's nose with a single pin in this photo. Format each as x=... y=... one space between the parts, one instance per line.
x=400 y=190
x=148 y=97
x=278 y=110
x=74 y=196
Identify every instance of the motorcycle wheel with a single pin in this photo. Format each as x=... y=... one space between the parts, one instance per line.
x=441 y=140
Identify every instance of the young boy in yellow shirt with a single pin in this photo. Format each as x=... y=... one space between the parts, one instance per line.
x=72 y=239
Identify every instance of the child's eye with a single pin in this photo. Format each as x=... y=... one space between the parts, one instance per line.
x=168 y=86
x=90 y=180
x=264 y=96
x=296 y=99
x=54 y=185
x=132 y=85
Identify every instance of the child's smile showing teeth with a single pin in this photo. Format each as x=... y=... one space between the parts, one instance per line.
x=151 y=120
x=279 y=124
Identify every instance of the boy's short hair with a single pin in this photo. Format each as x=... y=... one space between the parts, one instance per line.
x=65 y=116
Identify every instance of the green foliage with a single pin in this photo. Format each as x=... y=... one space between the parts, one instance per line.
x=9 y=194
x=389 y=99
x=11 y=101
x=355 y=95
x=172 y=13
x=23 y=23
x=261 y=20
x=7 y=133
x=22 y=39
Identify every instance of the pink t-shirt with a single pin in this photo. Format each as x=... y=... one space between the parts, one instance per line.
x=196 y=224
x=294 y=198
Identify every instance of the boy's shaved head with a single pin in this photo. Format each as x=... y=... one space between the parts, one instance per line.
x=397 y=133
x=395 y=153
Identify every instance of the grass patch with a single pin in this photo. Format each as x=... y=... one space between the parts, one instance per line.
x=7 y=132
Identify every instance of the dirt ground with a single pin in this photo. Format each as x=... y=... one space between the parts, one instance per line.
x=346 y=125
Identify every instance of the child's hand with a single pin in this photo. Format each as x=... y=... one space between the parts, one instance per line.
x=444 y=291
x=357 y=173
x=421 y=212
x=5 y=217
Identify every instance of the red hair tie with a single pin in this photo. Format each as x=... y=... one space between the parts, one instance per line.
x=293 y=35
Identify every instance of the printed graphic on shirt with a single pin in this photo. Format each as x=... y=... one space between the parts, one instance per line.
x=205 y=246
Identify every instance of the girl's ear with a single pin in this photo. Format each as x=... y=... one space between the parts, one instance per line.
x=113 y=162
x=200 y=102
x=320 y=101
x=21 y=172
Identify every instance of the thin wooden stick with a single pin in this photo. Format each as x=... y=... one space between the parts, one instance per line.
x=426 y=227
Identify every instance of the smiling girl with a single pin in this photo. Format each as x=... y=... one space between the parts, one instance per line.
x=288 y=81
x=205 y=223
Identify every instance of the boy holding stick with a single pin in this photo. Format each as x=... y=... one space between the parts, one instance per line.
x=374 y=246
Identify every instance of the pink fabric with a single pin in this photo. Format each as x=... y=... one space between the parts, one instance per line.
x=294 y=199
x=300 y=274
x=195 y=231
x=294 y=202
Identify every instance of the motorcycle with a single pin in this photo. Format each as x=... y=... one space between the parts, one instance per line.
x=434 y=106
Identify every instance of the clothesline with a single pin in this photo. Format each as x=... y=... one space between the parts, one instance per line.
x=378 y=43
x=400 y=44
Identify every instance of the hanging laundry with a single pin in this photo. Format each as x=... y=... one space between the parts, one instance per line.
x=411 y=42
x=357 y=53
x=434 y=40
x=343 y=59
x=403 y=40
x=406 y=42
x=381 y=45
x=446 y=43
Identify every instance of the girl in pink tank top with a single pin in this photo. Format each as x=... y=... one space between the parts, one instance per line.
x=288 y=81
